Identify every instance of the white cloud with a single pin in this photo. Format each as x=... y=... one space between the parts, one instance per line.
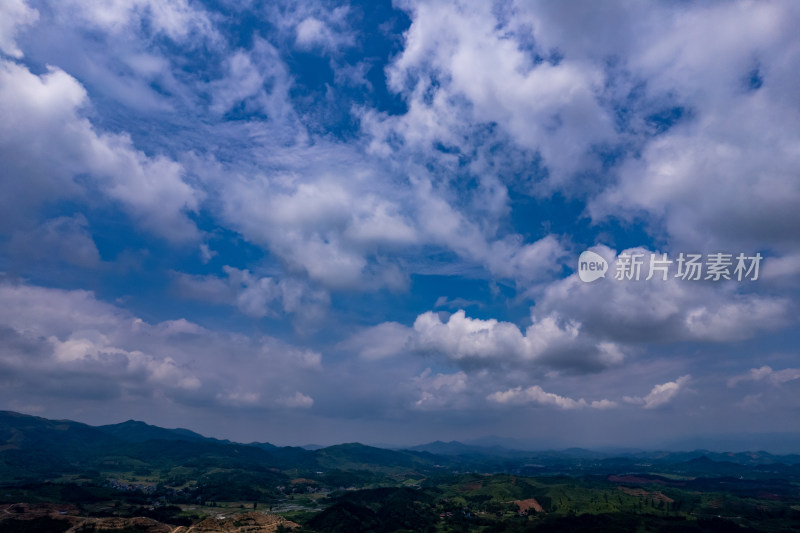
x=535 y=394
x=555 y=81
x=735 y=320
x=206 y=253
x=661 y=394
x=462 y=67
x=312 y=32
x=441 y=390
x=325 y=216
x=502 y=99
x=342 y=220
x=475 y=343
x=257 y=79
x=466 y=338
x=603 y=404
x=91 y=349
x=255 y=296
x=326 y=209
x=379 y=342
x=14 y=14
x=297 y=400
x=549 y=341
x=177 y=19
x=45 y=143
x=313 y=26
x=646 y=311
x=785 y=267
x=725 y=177
x=68 y=343
x=239 y=399
x=767 y=374
x=274 y=350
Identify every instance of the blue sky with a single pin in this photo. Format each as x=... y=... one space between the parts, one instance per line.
x=329 y=222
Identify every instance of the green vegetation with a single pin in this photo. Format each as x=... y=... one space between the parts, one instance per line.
x=179 y=478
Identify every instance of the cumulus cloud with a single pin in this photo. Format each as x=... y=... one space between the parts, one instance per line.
x=327 y=209
x=91 y=349
x=323 y=217
x=579 y=327
x=535 y=394
x=675 y=117
x=660 y=394
x=461 y=337
x=627 y=311
x=477 y=343
x=463 y=66
x=633 y=79
x=341 y=219
x=297 y=400
x=441 y=390
x=46 y=143
x=68 y=343
x=549 y=341
x=732 y=78
x=14 y=15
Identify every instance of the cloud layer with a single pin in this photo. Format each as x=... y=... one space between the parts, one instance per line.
x=368 y=212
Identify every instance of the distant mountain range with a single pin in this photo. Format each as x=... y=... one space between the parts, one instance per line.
x=34 y=448
x=135 y=431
